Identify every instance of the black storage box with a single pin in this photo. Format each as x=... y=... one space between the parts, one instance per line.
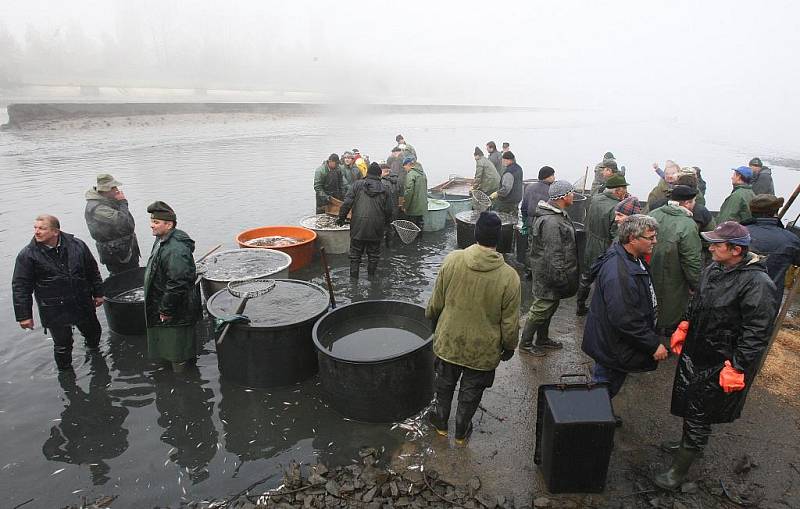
x=574 y=436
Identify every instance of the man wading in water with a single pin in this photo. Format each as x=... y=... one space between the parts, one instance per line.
x=111 y=225
x=329 y=182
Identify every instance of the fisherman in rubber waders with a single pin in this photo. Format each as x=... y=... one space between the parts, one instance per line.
x=329 y=182
x=475 y=311
x=111 y=225
x=61 y=273
x=721 y=345
x=171 y=298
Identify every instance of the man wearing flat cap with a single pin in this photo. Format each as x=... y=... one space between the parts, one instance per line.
x=111 y=225
x=736 y=206
x=726 y=334
x=771 y=239
x=171 y=298
x=676 y=262
x=475 y=311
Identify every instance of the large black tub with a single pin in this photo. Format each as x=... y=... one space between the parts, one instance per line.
x=580 y=240
x=124 y=302
x=276 y=347
x=580 y=205
x=375 y=360
x=465 y=230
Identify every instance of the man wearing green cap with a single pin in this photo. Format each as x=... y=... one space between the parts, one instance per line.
x=111 y=225
x=171 y=298
x=600 y=232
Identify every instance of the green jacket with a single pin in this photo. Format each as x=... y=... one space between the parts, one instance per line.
x=329 y=183
x=676 y=262
x=486 y=177
x=660 y=193
x=736 y=206
x=169 y=282
x=416 y=193
x=475 y=306
x=112 y=227
x=600 y=227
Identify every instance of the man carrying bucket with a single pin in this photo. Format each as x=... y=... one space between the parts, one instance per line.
x=475 y=311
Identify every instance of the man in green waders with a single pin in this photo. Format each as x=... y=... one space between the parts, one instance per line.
x=171 y=298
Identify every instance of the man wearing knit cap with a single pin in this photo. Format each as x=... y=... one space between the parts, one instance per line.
x=554 y=263
x=486 y=177
x=371 y=203
x=507 y=198
x=771 y=239
x=677 y=258
x=475 y=311
x=171 y=298
x=762 y=177
x=536 y=192
x=111 y=225
x=600 y=232
x=727 y=331
x=329 y=182
x=736 y=206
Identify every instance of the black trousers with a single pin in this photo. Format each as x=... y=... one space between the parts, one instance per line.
x=473 y=383
x=373 y=249
x=584 y=286
x=695 y=434
x=62 y=339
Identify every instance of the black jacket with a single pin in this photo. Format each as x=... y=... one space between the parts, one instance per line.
x=553 y=253
x=536 y=192
x=730 y=318
x=781 y=247
x=63 y=279
x=371 y=202
x=620 y=328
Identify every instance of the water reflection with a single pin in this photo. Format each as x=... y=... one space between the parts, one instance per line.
x=90 y=430
x=185 y=408
x=128 y=355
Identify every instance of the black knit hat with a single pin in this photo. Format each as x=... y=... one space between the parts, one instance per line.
x=546 y=171
x=487 y=229
x=374 y=169
x=478 y=152
x=334 y=158
x=509 y=155
x=162 y=211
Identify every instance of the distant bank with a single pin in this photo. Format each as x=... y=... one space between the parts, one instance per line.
x=23 y=115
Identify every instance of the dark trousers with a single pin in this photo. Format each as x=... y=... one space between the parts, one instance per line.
x=614 y=378
x=116 y=268
x=584 y=286
x=695 y=434
x=62 y=339
x=473 y=383
x=357 y=248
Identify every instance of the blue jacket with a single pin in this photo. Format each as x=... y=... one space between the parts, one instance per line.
x=781 y=247
x=620 y=328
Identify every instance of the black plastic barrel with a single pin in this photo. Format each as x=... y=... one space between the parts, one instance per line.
x=276 y=347
x=124 y=316
x=465 y=230
x=384 y=372
x=577 y=211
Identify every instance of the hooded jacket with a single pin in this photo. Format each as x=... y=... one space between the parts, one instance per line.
x=169 y=282
x=730 y=318
x=553 y=253
x=762 y=182
x=599 y=227
x=676 y=262
x=780 y=247
x=112 y=227
x=63 y=280
x=486 y=177
x=416 y=192
x=371 y=203
x=475 y=308
x=620 y=327
x=329 y=183
x=736 y=206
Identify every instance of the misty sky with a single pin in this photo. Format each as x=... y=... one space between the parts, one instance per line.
x=717 y=61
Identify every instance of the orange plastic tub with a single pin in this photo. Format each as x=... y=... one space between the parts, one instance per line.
x=301 y=253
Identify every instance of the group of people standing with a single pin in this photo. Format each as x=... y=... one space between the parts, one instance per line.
x=60 y=272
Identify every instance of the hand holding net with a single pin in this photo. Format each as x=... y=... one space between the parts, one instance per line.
x=480 y=200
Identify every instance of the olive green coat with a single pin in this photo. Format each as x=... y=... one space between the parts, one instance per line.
x=736 y=206
x=676 y=262
x=600 y=227
x=660 y=193
x=416 y=192
x=486 y=177
x=475 y=308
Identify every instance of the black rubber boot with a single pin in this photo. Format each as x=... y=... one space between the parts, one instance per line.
x=354 y=266
x=439 y=415
x=674 y=477
x=63 y=357
x=372 y=268
x=526 y=341
x=464 y=414
x=543 y=338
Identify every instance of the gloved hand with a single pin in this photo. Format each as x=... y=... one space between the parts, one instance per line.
x=493 y=196
x=506 y=355
x=731 y=379
x=340 y=221
x=679 y=337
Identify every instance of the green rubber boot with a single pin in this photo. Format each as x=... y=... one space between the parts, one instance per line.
x=674 y=477
x=672 y=446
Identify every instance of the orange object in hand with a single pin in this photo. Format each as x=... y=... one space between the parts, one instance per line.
x=679 y=337
x=731 y=379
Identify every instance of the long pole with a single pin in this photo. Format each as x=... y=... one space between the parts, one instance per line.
x=324 y=260
x=200 y=276
x=789 y=203
x=787 y=303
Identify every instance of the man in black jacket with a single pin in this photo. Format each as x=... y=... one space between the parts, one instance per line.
x=507 y=198
x=61 y=273
x=728 y=326
x=371 y=203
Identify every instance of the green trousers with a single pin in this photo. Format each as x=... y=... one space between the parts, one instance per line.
x=539 y=316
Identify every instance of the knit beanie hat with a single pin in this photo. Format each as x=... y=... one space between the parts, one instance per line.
x=629 y=206
x=559 y=189
x=334 y=158
x=478 y=151
x=374 y=169
x=487 y=229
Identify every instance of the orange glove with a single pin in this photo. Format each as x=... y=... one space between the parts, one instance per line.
x=731 y=379
x=679 y=337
